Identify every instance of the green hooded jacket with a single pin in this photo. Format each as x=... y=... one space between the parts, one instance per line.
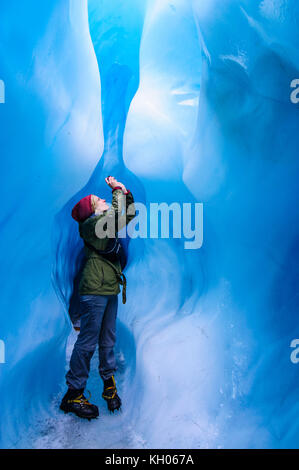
x=100 y=276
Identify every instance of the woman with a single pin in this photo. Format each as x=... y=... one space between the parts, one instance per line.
x=98 y=289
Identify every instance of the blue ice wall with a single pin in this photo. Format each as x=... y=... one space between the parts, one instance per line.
x=187 y=102
x=50 y=139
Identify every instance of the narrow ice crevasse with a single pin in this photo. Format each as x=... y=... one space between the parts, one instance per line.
x=205 y=333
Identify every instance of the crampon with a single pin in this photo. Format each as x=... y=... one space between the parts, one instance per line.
x=110 y=395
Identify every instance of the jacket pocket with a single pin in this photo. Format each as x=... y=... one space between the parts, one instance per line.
x=92 y=277
x=98 y=272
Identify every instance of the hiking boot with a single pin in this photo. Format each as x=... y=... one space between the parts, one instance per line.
x=110 y=395
x=75 y=402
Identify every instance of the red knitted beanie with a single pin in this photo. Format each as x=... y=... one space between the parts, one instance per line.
x=83 y=209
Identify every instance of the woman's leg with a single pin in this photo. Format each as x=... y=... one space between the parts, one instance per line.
x=107 y=337
x=92 y=311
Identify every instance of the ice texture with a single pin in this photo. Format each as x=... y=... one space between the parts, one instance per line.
x=185 y=101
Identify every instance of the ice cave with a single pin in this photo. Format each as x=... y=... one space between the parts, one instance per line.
x=187 y=101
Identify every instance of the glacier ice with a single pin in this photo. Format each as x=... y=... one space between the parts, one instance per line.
x=187 y=101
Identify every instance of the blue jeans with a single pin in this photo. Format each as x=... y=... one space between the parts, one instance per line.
x=98 y=326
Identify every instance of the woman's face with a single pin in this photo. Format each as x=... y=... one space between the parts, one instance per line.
x=99 y=204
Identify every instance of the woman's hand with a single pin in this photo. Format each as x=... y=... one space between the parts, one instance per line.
x=113 y=183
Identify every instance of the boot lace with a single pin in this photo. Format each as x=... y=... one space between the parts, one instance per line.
x=81 y=399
